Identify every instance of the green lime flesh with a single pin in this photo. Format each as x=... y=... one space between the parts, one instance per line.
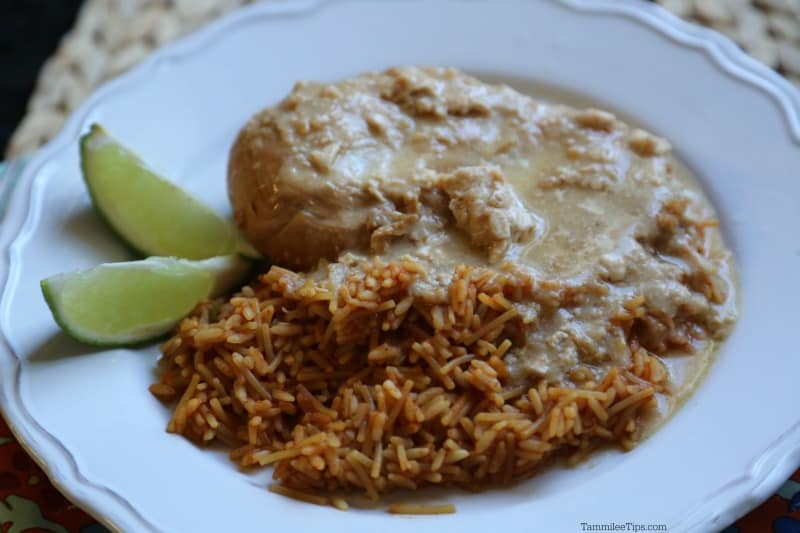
x=154 y=216
x=117 y=304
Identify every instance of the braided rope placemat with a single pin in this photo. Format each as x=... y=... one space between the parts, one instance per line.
x=110 y=36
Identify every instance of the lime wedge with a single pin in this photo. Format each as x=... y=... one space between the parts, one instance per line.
x=152 y=215
x=118 y=304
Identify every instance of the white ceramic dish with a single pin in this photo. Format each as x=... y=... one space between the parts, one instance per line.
x=88 y=419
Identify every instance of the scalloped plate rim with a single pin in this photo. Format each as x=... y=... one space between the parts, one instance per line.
x=768 y=470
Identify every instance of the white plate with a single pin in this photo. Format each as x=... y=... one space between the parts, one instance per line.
x=88 y=419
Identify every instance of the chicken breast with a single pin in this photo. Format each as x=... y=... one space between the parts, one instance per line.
x=611 y=234
x=347 y=166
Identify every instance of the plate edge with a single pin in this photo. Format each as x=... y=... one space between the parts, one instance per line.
x=766 y=472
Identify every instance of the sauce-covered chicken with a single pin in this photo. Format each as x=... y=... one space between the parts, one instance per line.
x=616 y=242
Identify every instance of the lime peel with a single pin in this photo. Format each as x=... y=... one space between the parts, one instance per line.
x=149 y=213
x=131 y=303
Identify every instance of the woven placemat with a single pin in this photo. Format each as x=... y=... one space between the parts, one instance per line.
x=110 y=36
